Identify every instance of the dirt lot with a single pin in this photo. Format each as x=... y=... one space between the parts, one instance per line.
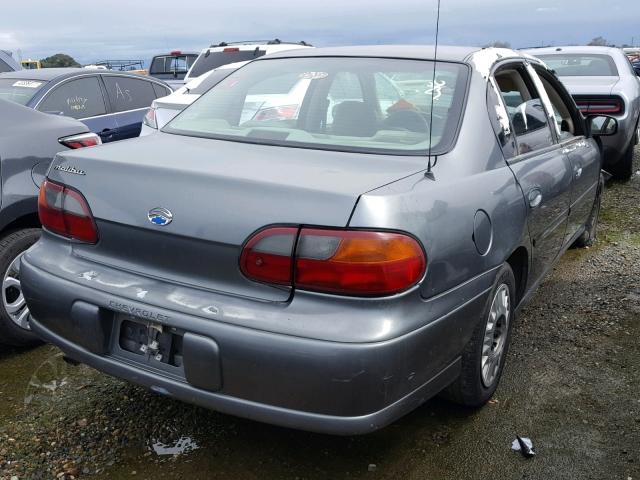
x=572 y=384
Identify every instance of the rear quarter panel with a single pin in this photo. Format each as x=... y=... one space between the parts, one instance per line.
x=28 y=143
x=441 y=212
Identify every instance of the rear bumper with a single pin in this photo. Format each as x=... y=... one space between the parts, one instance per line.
x=316 y=385
x=331 y=424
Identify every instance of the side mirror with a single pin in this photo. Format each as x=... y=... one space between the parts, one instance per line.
x=602 y=125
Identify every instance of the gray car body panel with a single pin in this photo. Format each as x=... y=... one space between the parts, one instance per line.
x=308 y=360
x=626 y=86
x=28 y=143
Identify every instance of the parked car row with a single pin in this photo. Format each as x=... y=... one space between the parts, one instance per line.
x=602 y=80
x=318 y=238
x=111 y=104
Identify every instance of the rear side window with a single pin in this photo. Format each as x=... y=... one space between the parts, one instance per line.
x=212 y=60
x=127 y=93
x=575 y=65
x=79 y=98
x=160 y=90
x=525 y=109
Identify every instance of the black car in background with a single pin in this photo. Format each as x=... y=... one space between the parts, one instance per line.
x=111 y=104
x=28 y=142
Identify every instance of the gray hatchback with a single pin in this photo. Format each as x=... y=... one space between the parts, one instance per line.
x=331 y=263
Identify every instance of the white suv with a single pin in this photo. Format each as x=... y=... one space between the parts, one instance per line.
x=224 y=53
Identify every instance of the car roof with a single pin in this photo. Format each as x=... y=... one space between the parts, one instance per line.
x=48 y=74
x=43 y=73
x=416 y=52
x=176 y=53
x=585 y=49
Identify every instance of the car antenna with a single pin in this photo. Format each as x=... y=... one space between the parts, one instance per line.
x=429 y=173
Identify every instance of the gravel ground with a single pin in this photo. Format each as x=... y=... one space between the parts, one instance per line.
x=571 y=384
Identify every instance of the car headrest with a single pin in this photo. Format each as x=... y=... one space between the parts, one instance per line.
x=354 y=119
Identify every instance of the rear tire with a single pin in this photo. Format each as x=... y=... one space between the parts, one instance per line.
x=590 y=233
x=484 y=356
x=623 y=170
x=14 y=315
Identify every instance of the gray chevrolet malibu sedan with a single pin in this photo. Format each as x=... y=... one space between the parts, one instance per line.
x=331 y=263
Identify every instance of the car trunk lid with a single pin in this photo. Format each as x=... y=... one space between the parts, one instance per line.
x=590 y=85
x=219 y=193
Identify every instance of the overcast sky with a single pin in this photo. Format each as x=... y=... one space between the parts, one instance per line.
x=119 y=29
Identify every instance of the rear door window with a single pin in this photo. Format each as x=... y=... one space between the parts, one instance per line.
x=126 y=93
x=80 y=98
x=525 y=109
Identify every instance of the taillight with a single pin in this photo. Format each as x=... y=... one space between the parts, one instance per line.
x=65 y=211
x=150 y=119
x=602 y=105
x=284 y=112
x=81 y=141
x=345 y=262
x=267 y=256
x=231 y=50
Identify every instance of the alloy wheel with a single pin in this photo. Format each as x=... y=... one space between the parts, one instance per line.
x=12 y=298
x=495 y=335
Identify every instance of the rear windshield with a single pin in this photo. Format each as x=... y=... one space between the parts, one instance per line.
x=211 y=80
x=171 y=64
x=19 y=91
x=580 y=65
x=351 y=104
x=211 y=60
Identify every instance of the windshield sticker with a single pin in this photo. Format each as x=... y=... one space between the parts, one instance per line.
x=313 y=75
x=27 y=84
x=435 y=88
x=77 y=104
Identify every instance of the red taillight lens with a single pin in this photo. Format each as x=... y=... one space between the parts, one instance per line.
x=284 y=112
x=81 y=141
x=267 y=256
x=231 y=49
x=357 y=262
x=346 y=262
x=590 y=106
x=65 y=211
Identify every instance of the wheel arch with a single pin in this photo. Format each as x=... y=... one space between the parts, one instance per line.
x=519 y=263
x=22 y=214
